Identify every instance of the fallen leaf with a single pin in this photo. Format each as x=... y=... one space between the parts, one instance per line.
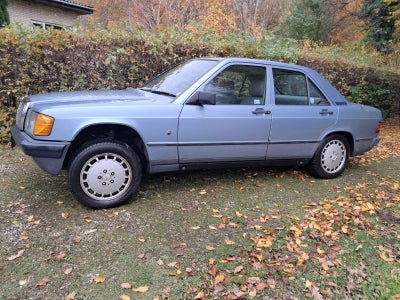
x=124 y=297
x=43 y=282
x=253 y=280
x=99 y=279
x=68 y=271
x=65 y=215
x=265 y=242
x=126 y=285
x=210 y=248
x=203 y=192
x=13 y=257
x=219 y=278
x=199 y=296
x=87 y=219
x=229 y=242
x=238 y=269
x=59 y=256
x=308 y=283
x=90 y=231
x=23 y=282
x=141 y=289
x=70 y=296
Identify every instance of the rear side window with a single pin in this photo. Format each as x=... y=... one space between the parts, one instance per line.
x=294 y=88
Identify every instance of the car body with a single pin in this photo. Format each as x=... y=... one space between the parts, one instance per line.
x=203 y=113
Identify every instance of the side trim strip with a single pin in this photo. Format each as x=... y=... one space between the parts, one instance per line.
x=196 y=144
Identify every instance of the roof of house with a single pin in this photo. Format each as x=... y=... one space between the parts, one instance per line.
x=68 y=4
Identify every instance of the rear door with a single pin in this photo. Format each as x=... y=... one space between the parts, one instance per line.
x=301 y=115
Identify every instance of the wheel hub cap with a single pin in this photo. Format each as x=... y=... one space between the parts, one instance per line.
x=333 y=156
x=105 y=176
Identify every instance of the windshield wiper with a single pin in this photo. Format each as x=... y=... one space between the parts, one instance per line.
x=158 y=92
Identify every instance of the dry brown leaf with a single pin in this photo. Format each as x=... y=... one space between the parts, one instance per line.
x=99 y=279
x=13 y=257
x=126 y=285
x=43 y=281
x=141 y=289
x=60 y=256
x=219 y=278
x=124 y=297
x=70 y=296
x=199 y=296
x=265 y=242
x=65 y=215
x=238 y=269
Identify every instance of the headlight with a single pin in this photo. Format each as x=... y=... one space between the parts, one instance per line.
x=21 y=112
x=39 y=124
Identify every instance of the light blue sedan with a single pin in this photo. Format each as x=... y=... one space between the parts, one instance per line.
x=203 y=113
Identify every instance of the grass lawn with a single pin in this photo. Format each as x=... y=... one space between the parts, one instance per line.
x=234 y=234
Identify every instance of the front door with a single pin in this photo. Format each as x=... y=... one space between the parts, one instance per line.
x=236 y=128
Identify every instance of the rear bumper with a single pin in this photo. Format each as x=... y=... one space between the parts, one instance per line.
x=48 y=155
x=363 y=146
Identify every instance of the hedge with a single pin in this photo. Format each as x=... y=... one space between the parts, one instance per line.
x=40 y=62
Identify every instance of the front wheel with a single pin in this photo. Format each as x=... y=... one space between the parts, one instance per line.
x=104 y=174
x=331 y=157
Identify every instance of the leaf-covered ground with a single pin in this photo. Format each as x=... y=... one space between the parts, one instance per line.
x=233 y=234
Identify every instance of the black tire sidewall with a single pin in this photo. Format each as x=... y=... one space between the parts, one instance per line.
x=315 y=166
x=98 y=147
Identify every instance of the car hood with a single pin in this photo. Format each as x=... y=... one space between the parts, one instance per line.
x=99 y=96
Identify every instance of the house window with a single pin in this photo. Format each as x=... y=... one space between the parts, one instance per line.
x=44 y=25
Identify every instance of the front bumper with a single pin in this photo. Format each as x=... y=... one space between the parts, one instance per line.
x=48 y=155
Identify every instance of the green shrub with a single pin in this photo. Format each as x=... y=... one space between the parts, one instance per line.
x=45 y=61
x=371 y=94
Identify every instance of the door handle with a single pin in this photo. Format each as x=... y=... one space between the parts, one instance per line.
x=325 y=112
x=261 y=111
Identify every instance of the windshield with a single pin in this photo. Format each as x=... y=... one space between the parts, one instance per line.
x=178 y=79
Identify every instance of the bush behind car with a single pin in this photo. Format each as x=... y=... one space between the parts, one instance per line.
x=39 y=62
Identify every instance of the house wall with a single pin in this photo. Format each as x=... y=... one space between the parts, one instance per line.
x=27 y=12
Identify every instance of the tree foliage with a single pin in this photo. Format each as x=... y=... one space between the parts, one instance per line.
x=307 y=20
x=381 y=23
x=4 y=17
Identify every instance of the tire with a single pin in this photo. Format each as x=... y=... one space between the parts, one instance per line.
x=331 y=157
x=104 y=174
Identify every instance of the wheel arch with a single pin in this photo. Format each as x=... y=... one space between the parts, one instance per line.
x=347 y=135
x=112 y=132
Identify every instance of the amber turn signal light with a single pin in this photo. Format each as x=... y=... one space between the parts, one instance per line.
x=43 y=125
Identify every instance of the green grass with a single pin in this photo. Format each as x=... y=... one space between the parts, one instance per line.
x=162 y=238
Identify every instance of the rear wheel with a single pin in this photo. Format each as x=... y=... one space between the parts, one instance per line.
x=331 y=157
x=104 y=174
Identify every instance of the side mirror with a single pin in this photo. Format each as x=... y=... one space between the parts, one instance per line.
x=202 y=98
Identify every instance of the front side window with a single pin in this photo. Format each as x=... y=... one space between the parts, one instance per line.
x=239 y=84
x=294 y=88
